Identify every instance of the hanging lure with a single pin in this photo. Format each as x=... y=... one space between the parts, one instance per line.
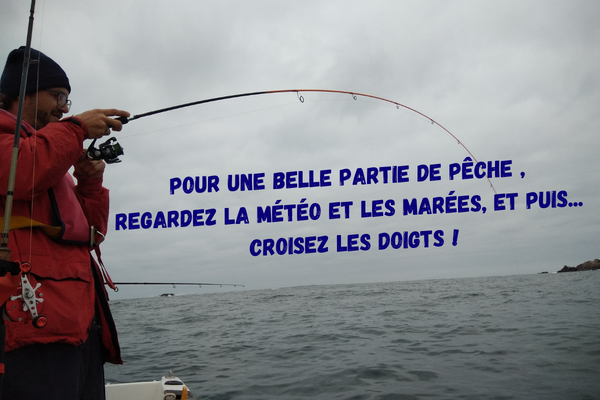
x=28 y=303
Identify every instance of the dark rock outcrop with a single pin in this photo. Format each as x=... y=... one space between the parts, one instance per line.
x=586 y=266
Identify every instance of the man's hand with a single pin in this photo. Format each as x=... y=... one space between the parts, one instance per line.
x=88 y=169
x=99 y=123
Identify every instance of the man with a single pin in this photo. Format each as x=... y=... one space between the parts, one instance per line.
x=63 y=359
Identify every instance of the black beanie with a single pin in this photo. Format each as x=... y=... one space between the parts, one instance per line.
x=51 y=75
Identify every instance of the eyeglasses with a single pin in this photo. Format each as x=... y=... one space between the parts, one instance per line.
x=61 y=99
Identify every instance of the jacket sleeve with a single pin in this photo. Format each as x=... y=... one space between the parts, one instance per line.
x=45 y=156
x=94 y=200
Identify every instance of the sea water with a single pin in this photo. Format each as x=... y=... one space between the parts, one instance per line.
x=511 y=337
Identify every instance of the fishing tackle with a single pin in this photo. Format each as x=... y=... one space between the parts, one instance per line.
x=354 y=95
x=174 y=284
x=28 y=298
x=10 y=281
x=108 y=151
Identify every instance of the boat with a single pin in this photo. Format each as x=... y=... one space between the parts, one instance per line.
x=168 y=388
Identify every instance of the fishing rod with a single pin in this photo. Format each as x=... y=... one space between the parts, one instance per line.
x=6 y=266
x=354 y=95
x=174 y=284
x=4 y=250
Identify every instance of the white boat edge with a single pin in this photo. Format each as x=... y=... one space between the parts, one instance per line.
x=168 y=388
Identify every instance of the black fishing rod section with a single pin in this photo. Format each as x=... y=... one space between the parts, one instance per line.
x=354 y=95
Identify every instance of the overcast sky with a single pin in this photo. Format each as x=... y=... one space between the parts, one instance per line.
x=514 y=81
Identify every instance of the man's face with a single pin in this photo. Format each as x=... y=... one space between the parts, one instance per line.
x=43 y=109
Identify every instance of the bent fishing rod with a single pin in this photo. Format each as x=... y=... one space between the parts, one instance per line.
x=117 y=150
x=354 y=95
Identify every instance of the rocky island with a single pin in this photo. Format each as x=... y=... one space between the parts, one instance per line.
x=586 y=266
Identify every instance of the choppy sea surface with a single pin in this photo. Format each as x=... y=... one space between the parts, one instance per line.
x=511 y=337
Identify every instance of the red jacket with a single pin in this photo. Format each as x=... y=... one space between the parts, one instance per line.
x=72 y=292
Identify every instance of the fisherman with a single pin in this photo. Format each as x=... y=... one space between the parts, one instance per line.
x=63 y=221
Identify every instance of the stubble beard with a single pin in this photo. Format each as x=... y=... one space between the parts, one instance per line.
x=43 y=118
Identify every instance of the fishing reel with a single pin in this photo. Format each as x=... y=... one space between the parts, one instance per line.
x=108 y=151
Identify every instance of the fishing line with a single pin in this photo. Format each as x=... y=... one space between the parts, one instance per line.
x=298 y=92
